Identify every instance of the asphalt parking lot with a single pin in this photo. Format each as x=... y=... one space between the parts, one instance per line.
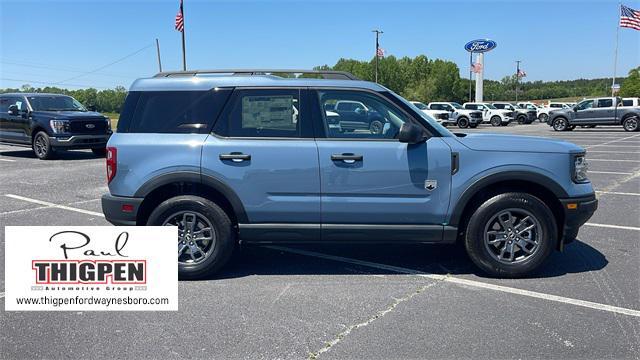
x=339 y=301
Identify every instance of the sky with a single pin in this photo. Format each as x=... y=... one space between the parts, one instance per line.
x=103 y=44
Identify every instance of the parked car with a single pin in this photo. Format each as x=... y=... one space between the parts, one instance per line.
x=49 y=123
x=458 y=115
x=224 y=158
x=522 y=115
x=491 y=114
x=442 y=116
x=592 y=112
x=543 y=112
x=354 y=115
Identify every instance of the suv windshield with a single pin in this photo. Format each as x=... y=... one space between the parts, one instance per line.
x=420 y=105
x=490 y=106
x=456 y=105
x=55 y=103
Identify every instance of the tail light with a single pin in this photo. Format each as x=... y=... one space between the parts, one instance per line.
x=112 y=163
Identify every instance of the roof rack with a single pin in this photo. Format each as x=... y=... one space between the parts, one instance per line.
x=323 y=74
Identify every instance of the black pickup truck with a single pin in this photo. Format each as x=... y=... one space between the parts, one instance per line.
x=50 y=122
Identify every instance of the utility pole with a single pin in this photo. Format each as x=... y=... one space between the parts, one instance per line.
x=378 y=32
x=158 y=51
x=517 y=77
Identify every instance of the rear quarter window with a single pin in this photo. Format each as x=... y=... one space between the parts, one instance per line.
x=172 y=111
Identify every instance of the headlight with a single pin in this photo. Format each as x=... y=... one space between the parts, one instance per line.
x=580 y=168
x=59 y=126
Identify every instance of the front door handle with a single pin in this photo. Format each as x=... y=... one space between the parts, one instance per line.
x=235 y=157
x=346 y=158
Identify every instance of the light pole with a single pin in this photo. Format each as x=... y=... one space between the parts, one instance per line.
x=378 y=32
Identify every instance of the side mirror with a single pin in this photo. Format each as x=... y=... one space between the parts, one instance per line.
x=91 y=108
x=575 y=108
x=13 y=109
x=410 y=133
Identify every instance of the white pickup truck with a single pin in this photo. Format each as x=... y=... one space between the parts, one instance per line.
x=543 y=112
x=458 y=115
x=491 y=114
x=442 y=116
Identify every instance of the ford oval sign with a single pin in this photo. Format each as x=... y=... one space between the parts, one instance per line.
x=480 y=45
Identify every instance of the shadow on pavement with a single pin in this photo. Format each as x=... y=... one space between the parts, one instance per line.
x=60 y=155
x=250 y=260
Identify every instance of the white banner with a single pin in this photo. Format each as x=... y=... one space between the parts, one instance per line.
x=91 y=268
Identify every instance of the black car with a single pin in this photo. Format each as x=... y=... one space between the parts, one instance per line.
x=50 y=122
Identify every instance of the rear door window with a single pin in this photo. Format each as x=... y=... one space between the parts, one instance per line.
x=176 y=111
x=256 y=113
x=605 y=103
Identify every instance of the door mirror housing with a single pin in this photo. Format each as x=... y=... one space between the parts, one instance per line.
x=410 y=134
x=91 y=108
x=13 y=109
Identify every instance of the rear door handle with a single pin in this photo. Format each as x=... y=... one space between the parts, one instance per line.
x=235 y=157
x=346 y=158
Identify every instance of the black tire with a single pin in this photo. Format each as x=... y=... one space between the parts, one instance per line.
x=223 y=232
x=543 y=117
x=473 y=126
x=376 y=127
x=522 y=119
x=560 y=124
x=495 y=120
x=41 y=146
x=463 y=123
x=99 y=152
x=486 y=256
x=571 y=127
x=631 y=123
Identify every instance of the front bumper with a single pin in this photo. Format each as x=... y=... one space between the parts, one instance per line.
x=577 y=211
x=80 y=141
x=120 y=210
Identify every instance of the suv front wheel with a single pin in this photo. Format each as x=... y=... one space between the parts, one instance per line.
x=42 y=146
x=206 y=238
x=511 y=234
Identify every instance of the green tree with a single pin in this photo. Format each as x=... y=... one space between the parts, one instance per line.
x=631 y=85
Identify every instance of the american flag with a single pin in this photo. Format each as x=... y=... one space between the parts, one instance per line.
x=380 y=52
x=521 y=73
x=476 y=67
x=629 y=18
x=180 y=19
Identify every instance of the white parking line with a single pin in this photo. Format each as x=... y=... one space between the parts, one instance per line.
x=614 y=226
x=7 y=160
x=465 y=282
x=1 y=295
x=614 y=152
x=617 y=193
x=616 y=146
x=48 y=204
x=619 y=160
x=612 y=141
x=610 y=172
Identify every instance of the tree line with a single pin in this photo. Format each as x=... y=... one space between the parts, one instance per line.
x=417 y=79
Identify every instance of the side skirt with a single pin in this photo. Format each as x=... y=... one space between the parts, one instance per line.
x=346 y=233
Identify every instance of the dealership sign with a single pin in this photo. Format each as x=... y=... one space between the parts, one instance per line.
x=90 y=268
x=480 y=45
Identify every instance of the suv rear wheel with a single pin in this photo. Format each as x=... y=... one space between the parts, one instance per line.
x=206 y=238
x=42 y=146
x=511 y=234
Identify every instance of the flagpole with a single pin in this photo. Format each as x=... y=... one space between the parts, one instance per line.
x=615 y=56
x=517 y=77
x=158 y=51
x=184 y=56
x=470 y=71
x=378 y=32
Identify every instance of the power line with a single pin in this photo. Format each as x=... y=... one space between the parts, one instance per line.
x=38 y=66
x=24 y=81
x=105 y=66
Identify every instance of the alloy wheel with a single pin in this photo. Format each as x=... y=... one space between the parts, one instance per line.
x=631 y=124
x=512 y=235
x=196 y=236
x=40 y=146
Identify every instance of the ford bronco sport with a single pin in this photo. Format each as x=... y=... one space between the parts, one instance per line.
x=50 y=122
x=250 y=156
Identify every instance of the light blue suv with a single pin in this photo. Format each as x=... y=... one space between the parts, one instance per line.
x=264 y=156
